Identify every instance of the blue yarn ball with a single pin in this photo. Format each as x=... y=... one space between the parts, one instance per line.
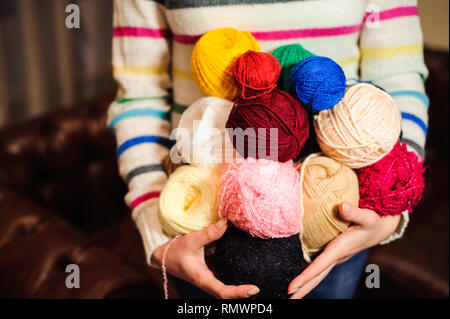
x=318 y=83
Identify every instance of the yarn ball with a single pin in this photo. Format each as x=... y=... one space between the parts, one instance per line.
x=256 y=73
x=275 y=110
x=393 y=184
x=289 y=55
x=318 y=82
x=201 y=136
x=189 y=200
x=325 y=185
x=361 y=129
x=270 y=264
x=261 y=197
x=213 y=58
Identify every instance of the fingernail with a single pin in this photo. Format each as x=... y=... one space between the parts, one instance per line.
x=347 y=209
x=253 y=291
x=221 y=223
x=292 y=291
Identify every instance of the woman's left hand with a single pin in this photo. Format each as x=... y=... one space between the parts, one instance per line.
x=368 y=229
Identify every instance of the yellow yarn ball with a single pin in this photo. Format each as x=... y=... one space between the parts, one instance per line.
x=326 y=183
x=361 y=129
x=189 y=200
x=213 y=58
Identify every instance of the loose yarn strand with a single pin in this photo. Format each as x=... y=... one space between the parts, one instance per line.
x=164 y=268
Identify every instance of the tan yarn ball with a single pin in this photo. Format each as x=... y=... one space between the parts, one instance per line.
x=326 y=183
x=361 y=129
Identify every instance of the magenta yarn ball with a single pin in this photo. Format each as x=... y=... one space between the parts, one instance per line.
x=262 y=197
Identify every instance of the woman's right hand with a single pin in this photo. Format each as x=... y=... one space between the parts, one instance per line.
x=185 y=259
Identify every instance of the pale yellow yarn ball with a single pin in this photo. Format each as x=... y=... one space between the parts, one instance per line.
x=189 y=200
x=213 y=58
x=361 y=129
x=326 y=183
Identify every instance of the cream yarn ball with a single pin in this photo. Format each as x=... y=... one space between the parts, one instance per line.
x=361 y=129
x=189 y=200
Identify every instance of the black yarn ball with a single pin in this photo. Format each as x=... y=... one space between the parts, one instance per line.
x=270 y=264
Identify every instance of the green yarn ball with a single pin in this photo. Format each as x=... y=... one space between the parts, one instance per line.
x=289 y=56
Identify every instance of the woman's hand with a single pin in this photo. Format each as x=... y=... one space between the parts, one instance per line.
x=368 y=230
x=185 y=259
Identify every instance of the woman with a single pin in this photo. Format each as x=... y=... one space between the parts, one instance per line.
x=152 y=47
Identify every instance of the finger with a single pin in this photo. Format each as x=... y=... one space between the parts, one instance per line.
x=208 y=234
x=209 y=283
x=327 y=258
x=360 y=216
x=303 y=291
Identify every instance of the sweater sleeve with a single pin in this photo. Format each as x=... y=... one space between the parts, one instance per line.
x=391 y=47
x=140 y=115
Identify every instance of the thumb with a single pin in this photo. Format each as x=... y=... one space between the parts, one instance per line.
x=363 y=217
x=209 y=234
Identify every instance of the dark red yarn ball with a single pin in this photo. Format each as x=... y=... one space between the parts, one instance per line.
x=256 y=73
x=393 y=184
x=276 y=109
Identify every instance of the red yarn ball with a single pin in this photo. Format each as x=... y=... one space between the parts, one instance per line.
x=277 y=110
x=256 y=73
x=393 y=184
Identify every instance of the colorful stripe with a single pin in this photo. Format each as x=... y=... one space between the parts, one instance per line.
x=140 y=32
x=127 y=99
x=145 y=197
x=182 y=74
x=178 y=108
x=388 y=52
x=147 y=112
x=177 y=4
x=142 y=170
x=164 y=141
x=347 y=61
x=419 y=149
x=283 y=34
x=398 y=12
x=418 y=95
x=415 y=119
x=139 y=69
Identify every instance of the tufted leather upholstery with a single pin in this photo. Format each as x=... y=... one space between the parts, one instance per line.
x=61 y=202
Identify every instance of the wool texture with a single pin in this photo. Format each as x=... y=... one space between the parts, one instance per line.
x=189 y=200
x=318 y=82
x=325 y=185
x=213 y=58
x=393 y=184
x=275 y=110
x=361 y=129
x=289 y=56
x=262 y=198
x=256 y=73
x=202 y=138
x=270 y=264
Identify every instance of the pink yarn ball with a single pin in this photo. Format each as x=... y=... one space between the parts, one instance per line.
x=262 y=197
x=393 y=184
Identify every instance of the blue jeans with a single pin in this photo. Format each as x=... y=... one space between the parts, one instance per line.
x=340 y=283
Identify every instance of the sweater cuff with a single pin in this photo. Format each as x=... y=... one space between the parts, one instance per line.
x=146 y=218
x=398 y=233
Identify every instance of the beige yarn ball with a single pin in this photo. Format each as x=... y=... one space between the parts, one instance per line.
x=326 y=183
x=361 y=129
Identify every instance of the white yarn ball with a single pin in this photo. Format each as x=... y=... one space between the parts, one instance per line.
x=202 y=138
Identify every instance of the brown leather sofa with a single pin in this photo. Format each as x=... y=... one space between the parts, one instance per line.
x=61 y=202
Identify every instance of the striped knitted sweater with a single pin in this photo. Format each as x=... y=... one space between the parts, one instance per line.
x=152 y=47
